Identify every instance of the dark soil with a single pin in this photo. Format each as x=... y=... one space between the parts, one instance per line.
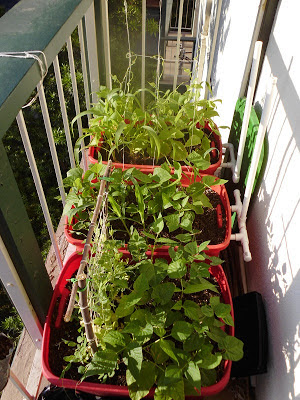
x=206 y=224
x=69 y=331
x=5 y=345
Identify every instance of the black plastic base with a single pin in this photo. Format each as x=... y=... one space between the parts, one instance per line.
x=251 y=328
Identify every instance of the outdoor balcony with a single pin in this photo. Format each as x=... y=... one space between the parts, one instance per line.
x=54 y=55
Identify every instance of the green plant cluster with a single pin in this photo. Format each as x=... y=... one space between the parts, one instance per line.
x=172 y=125
x=160 y=207
x=152 y=320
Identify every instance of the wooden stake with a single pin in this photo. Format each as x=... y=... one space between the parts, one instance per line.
x=81 y=277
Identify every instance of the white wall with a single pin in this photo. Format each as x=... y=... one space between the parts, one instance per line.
x=274 y=222
x=232 y=46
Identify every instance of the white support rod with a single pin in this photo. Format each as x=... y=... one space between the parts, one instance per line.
x=48 y=127
x=19 y=385
x=76 y=97
x=143 y=72
x=257 y=27
x=15 y=289
x=63 y=110
x=84 y=67
x=178 y=44
x=232 y=162
x=38 y=184
x=258 y=146
x=204 y=35
x=248 y=105
x=242 y=236
x=105 y=25
x=213 y=46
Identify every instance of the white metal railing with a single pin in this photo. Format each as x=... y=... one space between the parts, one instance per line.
x=87 y=31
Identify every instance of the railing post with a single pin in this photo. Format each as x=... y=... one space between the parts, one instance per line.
x=20 y=255
x=101 y=37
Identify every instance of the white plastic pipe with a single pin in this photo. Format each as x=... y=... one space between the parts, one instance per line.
x=249 y=100
x=258 y=146
x=232 y=162
x=242 y=236
x=105 y=24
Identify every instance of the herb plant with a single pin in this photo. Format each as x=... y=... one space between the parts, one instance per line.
x=175 y=126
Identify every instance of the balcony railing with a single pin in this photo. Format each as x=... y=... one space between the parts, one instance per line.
x=32 y=35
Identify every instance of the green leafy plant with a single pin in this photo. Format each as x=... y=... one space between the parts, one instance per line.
x=163 y=321
x=173 y=126
x=157 y=208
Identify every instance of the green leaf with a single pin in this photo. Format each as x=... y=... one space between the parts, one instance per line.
x=127 y=303
x=115 y=339
x=191 y=248
x=199 y=269
x=140 y=176
x=192 y=310
x=223 y=311
x=168 y=347
x=141 y=284
x=193 y=342
x=177 y=269
x=181 y=330
x=145 y=381
x=216 y=334
x=119 y=132
x=163 y=292
x=103 y=362
x=172 y=221
x=193 y=375
x=207 y=311
x=193 y=140
x=158 y=355
x=140 y=201
x=155 y=138
x=179 y=152
x=158 y=225
x=135 y=358
x=142 y=333
x=208 y=376
x=203 y=246
x=198 y=287
x=161 y=175
x=233 y=348
x=184 y=237
x=209 y=361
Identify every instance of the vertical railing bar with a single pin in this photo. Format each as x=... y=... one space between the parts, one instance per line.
x=84 y=67
x=178 y=44
x=105 y=24
x=51 y=142
x=63 y=110
x=16 y=291
x=76 y=97
x=38 y=184
x=143 y=78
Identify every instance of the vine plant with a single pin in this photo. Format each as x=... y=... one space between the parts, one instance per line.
x=153 y=321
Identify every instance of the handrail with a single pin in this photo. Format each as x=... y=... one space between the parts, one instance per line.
x=42 y=25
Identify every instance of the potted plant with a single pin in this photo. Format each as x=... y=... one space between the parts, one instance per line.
x=164 y=327
x=174 y=126
x=163 y=207
x=6 y=350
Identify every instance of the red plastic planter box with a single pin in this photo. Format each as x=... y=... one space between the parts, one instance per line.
x=216 y=142
x=213 y=249
x=61 y=294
